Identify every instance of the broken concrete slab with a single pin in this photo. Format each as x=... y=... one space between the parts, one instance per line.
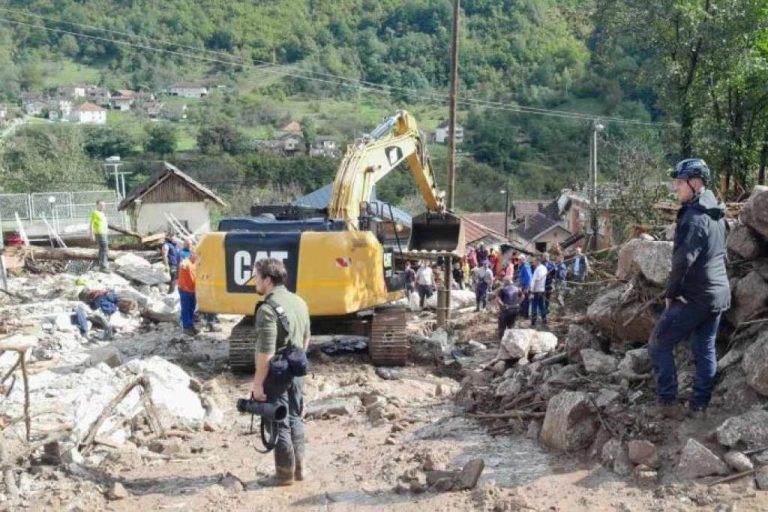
x=615 y=457
x=697 y=461
x=570 y=422
x=651 y=259
x=755 y=364
x=116 y=492
x=606 y=397
x=436 y=475
x=643 y=452
x=755 y=211
x=598 y=362
x=750 y=428
x=745 y=243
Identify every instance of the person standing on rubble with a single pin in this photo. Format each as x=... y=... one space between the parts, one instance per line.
x=410 y=278
x=187 y=298
x=425 y=282
x=508 y=299
x=580 y=266
x=458 y=275
x=538 y=289
x=171 y=260
x=547 y=262
x=697 y=291
x=272 y=335
x=525 y=276
x=99 y=229
x=483 y=277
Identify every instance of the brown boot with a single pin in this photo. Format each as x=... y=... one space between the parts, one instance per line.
x=671 y=411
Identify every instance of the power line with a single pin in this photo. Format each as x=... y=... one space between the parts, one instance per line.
x=338 y=80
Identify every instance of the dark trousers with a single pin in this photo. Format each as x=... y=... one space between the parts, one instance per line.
x=481 y=295
x=507 y=319
x=525 y=304
x=538 y=307
x=289 y=452
x=188 y=304
x=425 y=292
x=103 y=242
x=174 y=272
x=678 y=322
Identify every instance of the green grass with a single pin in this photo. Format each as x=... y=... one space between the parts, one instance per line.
x=66 y=72
x=187 y=138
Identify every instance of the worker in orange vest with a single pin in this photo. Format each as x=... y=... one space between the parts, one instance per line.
x=186 y=285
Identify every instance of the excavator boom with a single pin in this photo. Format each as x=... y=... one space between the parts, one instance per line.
x=374 y=156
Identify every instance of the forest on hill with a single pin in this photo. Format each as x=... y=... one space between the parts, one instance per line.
x=667 y=79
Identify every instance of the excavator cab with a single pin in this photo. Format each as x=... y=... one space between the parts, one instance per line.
x=437 y=232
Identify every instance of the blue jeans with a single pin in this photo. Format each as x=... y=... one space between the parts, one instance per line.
x=289 y=451
x=538 y=307
x=481 y=295
x=188 y=305
x=678 y=322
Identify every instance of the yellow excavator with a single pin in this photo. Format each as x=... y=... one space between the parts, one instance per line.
x=335 y=257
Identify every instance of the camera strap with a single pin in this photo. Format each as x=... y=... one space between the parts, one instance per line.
x=282 y=317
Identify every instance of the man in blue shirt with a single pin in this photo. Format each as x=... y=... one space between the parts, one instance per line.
x=526 y=274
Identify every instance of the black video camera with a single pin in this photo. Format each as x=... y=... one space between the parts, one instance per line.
x=270 y=413
x=267 y=410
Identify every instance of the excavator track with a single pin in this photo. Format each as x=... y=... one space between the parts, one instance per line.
x=242 y=348
x=388 y=344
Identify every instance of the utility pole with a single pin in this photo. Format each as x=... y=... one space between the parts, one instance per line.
x=444 y=305
x=506 y=212
x=593 y=214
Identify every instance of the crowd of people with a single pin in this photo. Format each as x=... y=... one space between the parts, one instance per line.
x=521 y=286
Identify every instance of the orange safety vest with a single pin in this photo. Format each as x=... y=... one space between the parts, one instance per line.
x=186 y=281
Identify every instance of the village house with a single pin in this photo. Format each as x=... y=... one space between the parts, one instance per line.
x=188 y=91
x=291 y=143
x=98 y=95
x=441 y=133
x=70 y=92
x=494 y=221
x=324 y=146
x=174 y=193
x=152 y=109
x=122 y=99
x=88 y=113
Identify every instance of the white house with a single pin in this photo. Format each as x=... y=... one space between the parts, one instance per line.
x=174 y=192
x=441 y=133
x=122 y=100
x=88 y=113
x=188 y=91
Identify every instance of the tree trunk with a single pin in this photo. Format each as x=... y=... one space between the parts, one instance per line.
x=763 y=163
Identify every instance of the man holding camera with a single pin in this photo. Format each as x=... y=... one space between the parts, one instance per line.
x=269 y=277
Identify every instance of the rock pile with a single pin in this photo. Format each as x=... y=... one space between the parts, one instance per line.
x=593 y=389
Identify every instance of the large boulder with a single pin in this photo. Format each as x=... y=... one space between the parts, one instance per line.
x=570 y=422
x=750 y=428
x=520 y=343
x=649 y=258
x=608 y=314
x=459 y=299
x=744 y=242
x=755 y=211
x=579 y=338
x=750 y=294
x=636 y=362
x=697 y=461
x=755 y=364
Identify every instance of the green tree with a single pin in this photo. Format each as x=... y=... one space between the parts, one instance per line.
x=220 y=137
x=162 y=139
x=105 y=141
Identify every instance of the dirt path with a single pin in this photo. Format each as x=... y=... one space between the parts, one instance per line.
x=356 y=464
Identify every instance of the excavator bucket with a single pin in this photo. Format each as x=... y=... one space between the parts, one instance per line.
x=437 y=233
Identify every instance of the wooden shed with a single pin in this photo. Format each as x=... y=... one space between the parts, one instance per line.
x=170 y=193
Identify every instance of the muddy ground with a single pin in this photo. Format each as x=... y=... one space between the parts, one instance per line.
x=356 y=462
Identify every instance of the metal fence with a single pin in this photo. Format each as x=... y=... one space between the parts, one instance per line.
x=67 y=212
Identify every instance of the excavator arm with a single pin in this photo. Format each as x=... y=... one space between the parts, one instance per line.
x=376 y=155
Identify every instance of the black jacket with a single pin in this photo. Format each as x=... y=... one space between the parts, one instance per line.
x=698 y=258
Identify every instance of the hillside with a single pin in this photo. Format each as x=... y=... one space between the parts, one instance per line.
x=533 y=74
